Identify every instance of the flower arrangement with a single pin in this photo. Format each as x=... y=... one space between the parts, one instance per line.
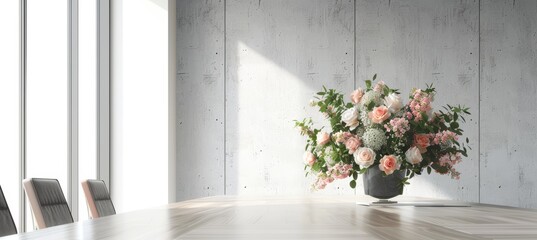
x=376 y=129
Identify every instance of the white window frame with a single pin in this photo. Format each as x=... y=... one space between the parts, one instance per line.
x=103 y=104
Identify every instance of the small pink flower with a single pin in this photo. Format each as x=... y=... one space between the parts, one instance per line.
x=340 y=171
x=444 y=137
x=309 y=158
x=388 y=164
x=379 y=87
x=341 y=137
x=323 y=138
x=420 y=103
x=357 y=95
x=352 y=144
x=399 y=126
x=379 y=114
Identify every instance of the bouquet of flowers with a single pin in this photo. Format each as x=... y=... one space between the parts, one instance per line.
x=376 y=130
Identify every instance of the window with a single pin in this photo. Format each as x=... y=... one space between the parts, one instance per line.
x=47 y=96
x=9 y=104
x=60 y=75
x=87 y=97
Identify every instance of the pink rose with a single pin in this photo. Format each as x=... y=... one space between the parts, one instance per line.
x=364 y=157
x=357 y=95
x=352 y=144
x=379 y=114
x=388 y=164
x=323 y=138
x=422 y=142
x=309 y=158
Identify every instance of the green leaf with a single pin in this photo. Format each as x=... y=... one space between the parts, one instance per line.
x=429 y=170
x=353 y=184
x=316 y=167
x=455 y=116
x=467 y=141
x=368 y=84
x=374 y=77
x=370 y=106
x=454 y=125
x=355 y=175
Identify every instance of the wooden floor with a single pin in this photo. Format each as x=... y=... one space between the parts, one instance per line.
x=332 y=217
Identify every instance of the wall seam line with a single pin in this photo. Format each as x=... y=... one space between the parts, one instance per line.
x=225 y=99
x=479 y=102
x=354 y=58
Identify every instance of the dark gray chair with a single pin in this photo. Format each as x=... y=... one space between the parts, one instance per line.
x=7 y=226
x=98 y=198
x=47 y=202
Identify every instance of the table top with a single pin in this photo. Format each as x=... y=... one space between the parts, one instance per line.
x=320 y=217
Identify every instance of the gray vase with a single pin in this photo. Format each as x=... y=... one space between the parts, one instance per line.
x=382 y=187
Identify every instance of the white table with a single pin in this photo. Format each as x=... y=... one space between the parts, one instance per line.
x=333 y=217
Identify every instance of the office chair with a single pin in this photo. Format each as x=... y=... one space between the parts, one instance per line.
x=47 y=202
x=98 y=198
x=7 y=226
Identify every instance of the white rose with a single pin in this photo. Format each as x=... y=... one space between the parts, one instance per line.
x=350 y=117
x=393 y=102
x=364 y=157
x=413 y=155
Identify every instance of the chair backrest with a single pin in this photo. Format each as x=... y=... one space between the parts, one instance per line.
x=47 y=202
x=7 y=226
x=98 y=198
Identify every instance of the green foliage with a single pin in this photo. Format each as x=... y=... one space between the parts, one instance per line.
x=353 y=184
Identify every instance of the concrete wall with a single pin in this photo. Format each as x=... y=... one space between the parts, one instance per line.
x=247 y=68
x=509 y=102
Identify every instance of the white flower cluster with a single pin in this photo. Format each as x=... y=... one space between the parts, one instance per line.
x=364 y=117
x=371 y=96
x=374 y=138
